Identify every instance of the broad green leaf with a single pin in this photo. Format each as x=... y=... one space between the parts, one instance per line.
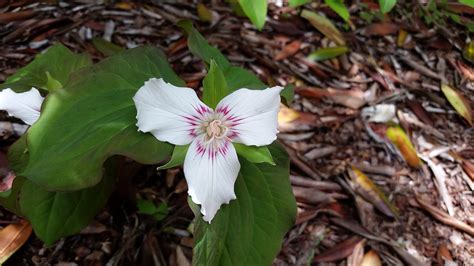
x=238 y=78
x=48 y=71
x=254 y=154
x=199 y=46
x=339 y=7
x=327 y=53
x=256 y=11
x=467 y=2
x=297 y=3
x=249 y=230
x=93 y=118
x=177 y=159
x=214 y=86
x=56 y=214
x=398 y=137
x=325 y=26
x=386 y=5
x=458 y=101
x=105 y=47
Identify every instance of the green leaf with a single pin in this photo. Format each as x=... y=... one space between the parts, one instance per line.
x=338 y=7
x=256 y=11
x=288 y=93
x=177 y=159
x=148 y=207
x=250 y=230
x=17 y=158
x=105 y=47
x=297 y=3
x=386 y=5
x=48 y=71
x=9 y=199
x=58 y=214
x=327 y=53
x=214 y=86
x=324 y=25
x=238 y=78
x=199 y=46
x=93 y=118
x=254 y=154
x=467 y=2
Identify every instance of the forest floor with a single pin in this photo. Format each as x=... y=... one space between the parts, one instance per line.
x=336 y=123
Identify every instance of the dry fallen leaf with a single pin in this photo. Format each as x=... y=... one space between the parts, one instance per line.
x=444 y=217
x=339 y=251
x=12 y=238
x=363 y=186
x=458 y=101
x=324 y=25
x=288 y=50
x=398 y=137
x=351 y=98
x=381 y=29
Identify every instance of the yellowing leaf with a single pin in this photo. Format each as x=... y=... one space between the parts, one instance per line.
x=468 y=52
x=398 y=137
x=12 y=238
x=460 y=104
x=371 y=192
x=204 y=13
x=327 y=53
x=371 y=259
x=287 y=115
x=402 y=37
x=325 y=26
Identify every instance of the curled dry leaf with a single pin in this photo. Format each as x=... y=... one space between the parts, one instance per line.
x=371 y=258
x=371 y=192
x=288 y=50
x=398 y=137
x=458 y=101
x=324 y=25
x=12 y=238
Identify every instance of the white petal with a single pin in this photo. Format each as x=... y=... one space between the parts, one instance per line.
x=24 y=105
x=211 y=170
x=252 y=115
x=170 y=113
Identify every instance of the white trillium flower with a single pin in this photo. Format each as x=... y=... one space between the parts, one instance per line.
x=24 y=105
x=176 y=115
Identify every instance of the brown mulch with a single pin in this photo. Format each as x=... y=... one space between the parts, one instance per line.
x=334 y=220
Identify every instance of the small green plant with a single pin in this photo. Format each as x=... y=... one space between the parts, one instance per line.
x=84 y=115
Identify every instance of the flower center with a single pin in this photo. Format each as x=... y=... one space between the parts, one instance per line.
x=216 y=129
